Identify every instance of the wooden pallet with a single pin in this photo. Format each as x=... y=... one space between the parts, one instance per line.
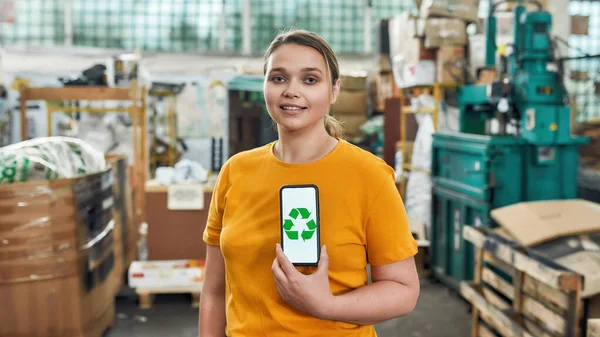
x=146 y=295
x=519 y=293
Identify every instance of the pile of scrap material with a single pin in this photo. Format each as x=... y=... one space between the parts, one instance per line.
x=47 y=159
x=538 y=272
x=590 y=153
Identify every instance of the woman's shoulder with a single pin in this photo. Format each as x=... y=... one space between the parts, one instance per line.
x=247 y=158
x=365 y=163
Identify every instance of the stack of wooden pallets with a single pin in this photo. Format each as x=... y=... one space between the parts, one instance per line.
x=517 y=292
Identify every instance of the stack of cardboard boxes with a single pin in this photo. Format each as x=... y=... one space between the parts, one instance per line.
x=383 y=80
x=430 y=48
x=351 y=107
x=58 y=274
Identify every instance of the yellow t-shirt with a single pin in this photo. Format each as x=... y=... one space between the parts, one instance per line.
x=363 y=220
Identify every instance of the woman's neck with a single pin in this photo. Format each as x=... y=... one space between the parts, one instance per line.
x=304 y=146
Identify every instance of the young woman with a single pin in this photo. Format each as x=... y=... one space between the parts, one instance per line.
x=251 y=288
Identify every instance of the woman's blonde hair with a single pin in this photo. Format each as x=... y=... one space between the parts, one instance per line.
x=310 y=39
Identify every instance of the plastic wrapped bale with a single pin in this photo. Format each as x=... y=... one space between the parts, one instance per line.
x=418 y=188
x=57 y=259
x=48 y=158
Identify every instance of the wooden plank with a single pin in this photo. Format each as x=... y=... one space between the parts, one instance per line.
x=503 y=266
x=573 y=321
x=170 y=290
x=507 y=326
x=146 y=295
x=475 y=311
x=483 y=331
x=498 y=283
x=553 y=298
x=478 y=265
x=557 y=279
x=498 y=327
x=518 y=291
x=495 y=300
x=536 y=330
x=545 y=317
x=76 y=93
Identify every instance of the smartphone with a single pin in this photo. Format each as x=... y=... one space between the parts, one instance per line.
x=300 y=224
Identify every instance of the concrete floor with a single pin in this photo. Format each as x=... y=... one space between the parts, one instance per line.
x=439 y=313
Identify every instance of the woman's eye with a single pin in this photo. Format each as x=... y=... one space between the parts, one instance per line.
x=278 y=79
x=311 y=80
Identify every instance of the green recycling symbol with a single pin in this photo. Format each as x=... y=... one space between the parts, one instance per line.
x=297 y=214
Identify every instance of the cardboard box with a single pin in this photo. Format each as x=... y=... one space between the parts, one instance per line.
x=461 y=9
x=564 y=231
x=414 y=73
x=405 y=40
x=354 y=81
x=352 y=124
x=384 y=89
x=350 y=103
x=510 y=6
x=445 y=32
x=451 y=63
x=580 y=24
x=409 y=146
x=62 y=232
x=397 y=33
x=420 y=25
x=169 y=242
x=505 y=24
x=539 y=221
x=486 y=75
x=476 y=50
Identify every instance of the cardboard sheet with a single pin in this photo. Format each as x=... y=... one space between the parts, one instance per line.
x=531 y=223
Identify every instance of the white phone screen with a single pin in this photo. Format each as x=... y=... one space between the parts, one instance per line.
x=299 y=222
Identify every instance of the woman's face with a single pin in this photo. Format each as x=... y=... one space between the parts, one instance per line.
x=297 y=87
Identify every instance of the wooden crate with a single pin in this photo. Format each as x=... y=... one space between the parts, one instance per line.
x=517 y=292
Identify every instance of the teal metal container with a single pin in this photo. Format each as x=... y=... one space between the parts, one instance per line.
x=484 y=167
x=504 y=170
x=551 y=173
x=453 y=258
x=473 y=174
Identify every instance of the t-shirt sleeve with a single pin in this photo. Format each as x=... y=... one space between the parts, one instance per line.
x=214 y=224
x=388 y=234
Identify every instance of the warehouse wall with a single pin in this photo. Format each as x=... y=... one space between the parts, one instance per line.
x=53 y=60
x=46 y=65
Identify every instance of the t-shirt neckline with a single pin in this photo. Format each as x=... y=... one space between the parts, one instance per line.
x=327 y=157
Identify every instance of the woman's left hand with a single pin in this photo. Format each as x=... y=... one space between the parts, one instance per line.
x=309 y=293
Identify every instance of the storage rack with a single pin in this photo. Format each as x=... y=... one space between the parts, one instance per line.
x=438 y=90
x=136 y=111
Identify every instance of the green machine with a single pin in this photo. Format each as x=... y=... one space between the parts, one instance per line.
x=514 y=143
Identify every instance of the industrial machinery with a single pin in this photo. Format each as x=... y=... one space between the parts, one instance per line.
x=514 y=142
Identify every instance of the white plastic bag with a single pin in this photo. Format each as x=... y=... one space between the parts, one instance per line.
x=47 y=158
x=419 y=186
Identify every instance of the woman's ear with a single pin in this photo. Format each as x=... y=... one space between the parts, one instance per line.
x=336 y=91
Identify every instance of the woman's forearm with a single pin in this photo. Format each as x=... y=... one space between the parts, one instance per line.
x=373 y=303
x=212 y=315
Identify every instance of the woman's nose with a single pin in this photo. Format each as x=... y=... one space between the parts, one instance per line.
x=291 y=90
